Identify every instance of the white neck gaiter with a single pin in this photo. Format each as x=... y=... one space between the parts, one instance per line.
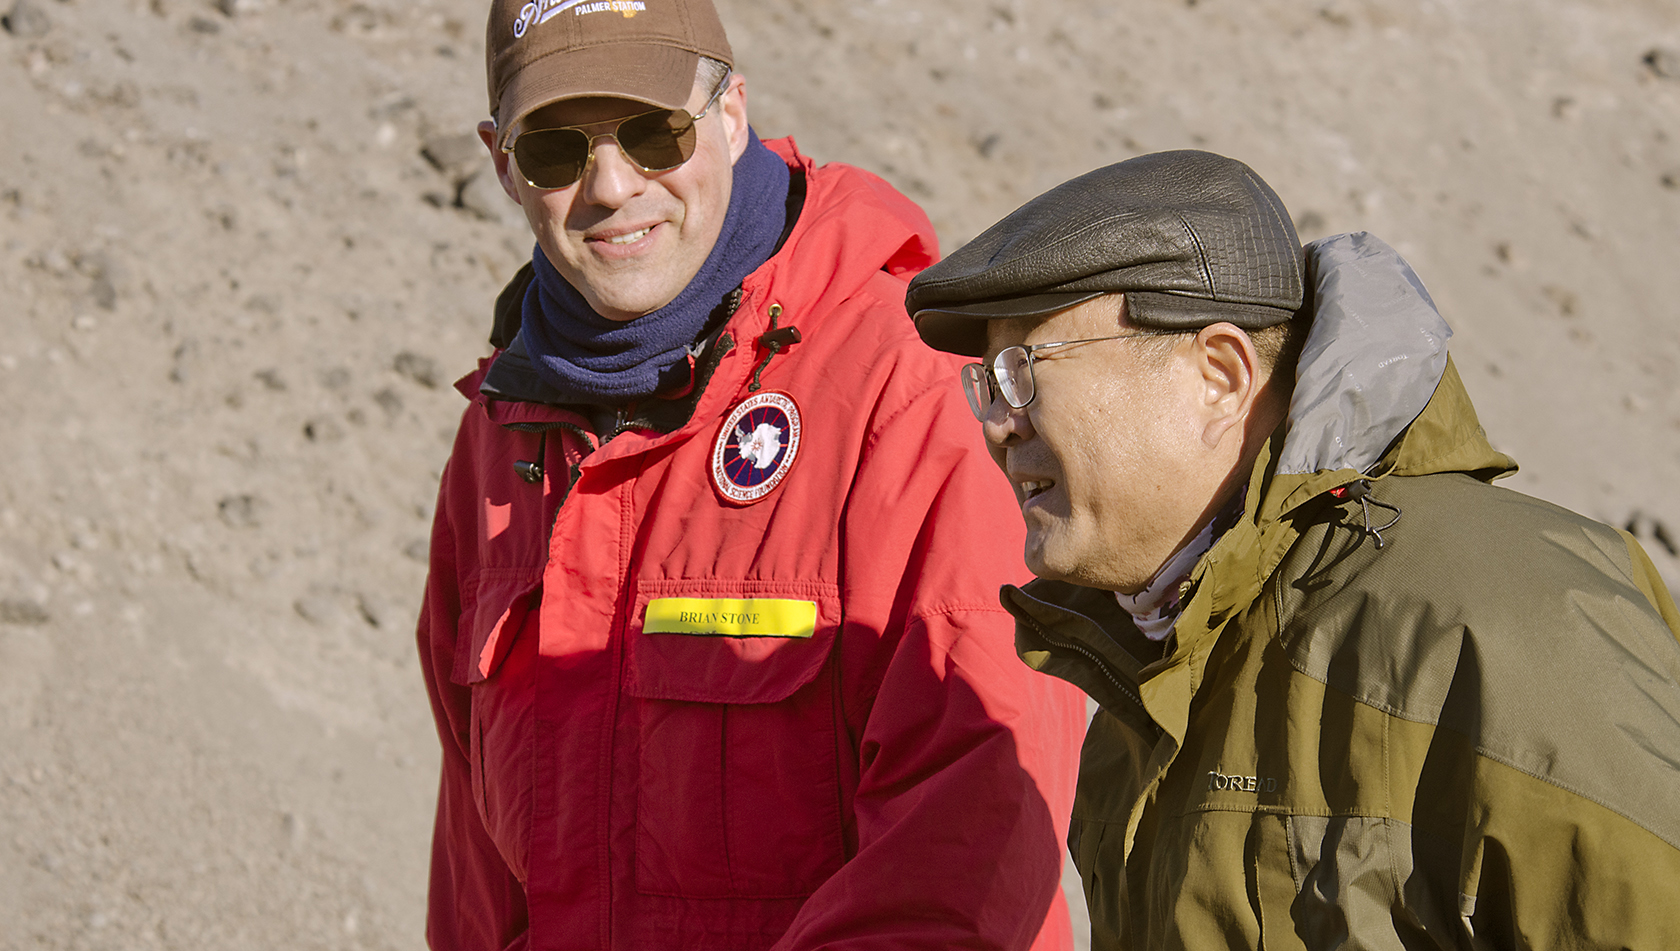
x=1156 y=608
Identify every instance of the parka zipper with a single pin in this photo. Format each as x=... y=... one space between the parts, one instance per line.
x=545 y=427
x=620 y=423
x=1101 y=665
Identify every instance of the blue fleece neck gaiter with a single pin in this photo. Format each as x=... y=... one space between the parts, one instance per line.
x=590 y=359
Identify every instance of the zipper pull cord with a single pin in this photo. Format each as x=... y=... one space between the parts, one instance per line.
x=532 y=472
x=773 y=341
x=1361 y=491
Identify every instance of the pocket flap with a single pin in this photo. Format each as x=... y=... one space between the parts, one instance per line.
x=729 y=642
x=490 y=621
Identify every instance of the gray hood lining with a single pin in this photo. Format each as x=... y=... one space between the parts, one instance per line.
x=1375 y=354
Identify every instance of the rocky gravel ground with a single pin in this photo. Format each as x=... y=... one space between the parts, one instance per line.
x=246 y=245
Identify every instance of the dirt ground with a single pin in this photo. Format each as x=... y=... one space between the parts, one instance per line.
x=246 y=245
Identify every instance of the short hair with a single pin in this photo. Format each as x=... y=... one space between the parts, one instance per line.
x=710 y=72
x=1278 y=346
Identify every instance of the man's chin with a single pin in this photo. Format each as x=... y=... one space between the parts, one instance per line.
x=1051 y=562
x=1041 y=559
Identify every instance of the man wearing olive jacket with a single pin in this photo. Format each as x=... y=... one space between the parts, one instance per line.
x=1353 y=695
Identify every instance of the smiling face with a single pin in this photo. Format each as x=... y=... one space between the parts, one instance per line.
x=629 y=241
x=1109 y=461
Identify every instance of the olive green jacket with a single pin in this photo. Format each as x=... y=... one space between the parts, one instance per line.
x=1466 y=736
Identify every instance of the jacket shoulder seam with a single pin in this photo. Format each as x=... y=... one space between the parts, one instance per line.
x=1566 y=787
x=1483 y=752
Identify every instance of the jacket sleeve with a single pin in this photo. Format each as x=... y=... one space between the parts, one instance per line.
x=1588 y=859
x=474 y=902
x=1547 y=869
x=966 y=758
x=1651 y=583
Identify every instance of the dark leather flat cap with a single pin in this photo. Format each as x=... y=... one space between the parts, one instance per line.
x=1192 y=238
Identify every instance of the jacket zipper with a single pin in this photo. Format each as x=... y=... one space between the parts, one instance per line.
x=1101 y=665
x=620 y=424
x=545 y=427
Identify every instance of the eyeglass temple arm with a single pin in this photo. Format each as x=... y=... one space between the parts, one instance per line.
x=1034 y=348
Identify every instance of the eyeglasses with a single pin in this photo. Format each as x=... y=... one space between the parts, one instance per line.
x=655 y=141
x=1011 y=373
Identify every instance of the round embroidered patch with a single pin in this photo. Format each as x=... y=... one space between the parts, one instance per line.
x=756 y=446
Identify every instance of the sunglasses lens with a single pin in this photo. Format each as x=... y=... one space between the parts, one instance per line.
x=659 y=140
x=551 y=158
x=555 y=158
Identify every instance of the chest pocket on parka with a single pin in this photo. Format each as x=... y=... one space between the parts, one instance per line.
x=737 y=793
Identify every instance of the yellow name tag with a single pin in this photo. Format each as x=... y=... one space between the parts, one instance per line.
x=732 y=617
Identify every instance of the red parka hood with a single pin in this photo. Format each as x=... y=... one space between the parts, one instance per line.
x=853 y=220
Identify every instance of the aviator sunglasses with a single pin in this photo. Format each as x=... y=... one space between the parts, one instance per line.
x=656 y=141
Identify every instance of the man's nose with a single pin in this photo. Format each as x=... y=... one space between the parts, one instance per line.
x=610 y=179
x=1005 y=425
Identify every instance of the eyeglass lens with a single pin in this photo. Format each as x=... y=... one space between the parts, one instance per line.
x=655 y=141
x=977 y=388
x=1010 y=373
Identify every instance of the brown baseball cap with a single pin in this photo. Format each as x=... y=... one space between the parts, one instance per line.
x=543 y=51
x=1191 y=238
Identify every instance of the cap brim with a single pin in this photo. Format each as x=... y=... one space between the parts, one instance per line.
x=961 y=328
x=659 y=75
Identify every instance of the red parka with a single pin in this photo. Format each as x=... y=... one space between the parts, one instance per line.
x=884 y=775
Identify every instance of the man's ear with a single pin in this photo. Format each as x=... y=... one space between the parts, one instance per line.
x=487 y=135
x=732 y=109
x=1230 y=380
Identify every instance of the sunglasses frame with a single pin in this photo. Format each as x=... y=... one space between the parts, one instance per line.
x=589 y=154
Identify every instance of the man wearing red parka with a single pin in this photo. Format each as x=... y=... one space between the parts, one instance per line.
x=711 y=630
